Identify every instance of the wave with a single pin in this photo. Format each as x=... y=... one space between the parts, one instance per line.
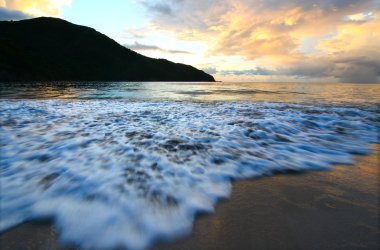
x=115 y=173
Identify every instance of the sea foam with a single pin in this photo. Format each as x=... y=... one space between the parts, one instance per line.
x=116 y=173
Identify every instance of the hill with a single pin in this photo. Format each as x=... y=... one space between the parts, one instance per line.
x=48 y=48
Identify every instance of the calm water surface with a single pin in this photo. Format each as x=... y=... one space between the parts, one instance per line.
x=220 y=91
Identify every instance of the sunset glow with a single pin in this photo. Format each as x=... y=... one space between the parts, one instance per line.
x=241 y=40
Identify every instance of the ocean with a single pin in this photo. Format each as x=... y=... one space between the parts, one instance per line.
x=129 y=163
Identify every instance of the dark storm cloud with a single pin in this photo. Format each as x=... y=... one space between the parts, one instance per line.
x=6 y=15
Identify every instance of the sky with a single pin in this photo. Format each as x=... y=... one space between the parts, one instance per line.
x=235 y=40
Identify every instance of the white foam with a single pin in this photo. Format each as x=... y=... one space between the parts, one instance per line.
x=115 y=173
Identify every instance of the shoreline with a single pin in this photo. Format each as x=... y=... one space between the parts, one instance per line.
x=336 y=209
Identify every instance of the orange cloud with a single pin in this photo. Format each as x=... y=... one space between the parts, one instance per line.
x=327 y=39
x=36 y=7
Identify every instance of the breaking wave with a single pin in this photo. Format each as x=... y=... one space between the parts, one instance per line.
x=115 y=173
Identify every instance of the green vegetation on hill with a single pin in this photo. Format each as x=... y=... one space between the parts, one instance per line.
x=53 y=49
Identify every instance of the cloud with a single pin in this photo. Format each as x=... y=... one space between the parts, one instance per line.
x=360 y=17
x=159 y=7
x=300 y=38
x=187 y=18
x=210 y=70
x=310 y=68
x=36 y=7
x=138 y=46
x=279 y=27
x=253 y=72
x=361 y=69
x=135 y=33
x=6 y=14
x=360 y=74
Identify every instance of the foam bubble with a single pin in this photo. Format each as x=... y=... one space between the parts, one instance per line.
x=115 y=173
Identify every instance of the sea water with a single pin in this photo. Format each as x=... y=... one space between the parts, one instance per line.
x=127 y=164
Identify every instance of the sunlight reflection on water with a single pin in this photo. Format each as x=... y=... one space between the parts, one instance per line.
x=218 y=91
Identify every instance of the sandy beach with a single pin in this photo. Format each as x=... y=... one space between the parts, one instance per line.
x=335 y=209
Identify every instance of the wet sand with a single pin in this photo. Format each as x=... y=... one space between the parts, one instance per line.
x=335 y=209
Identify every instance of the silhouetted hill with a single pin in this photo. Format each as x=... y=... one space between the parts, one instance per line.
x=53 y=49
